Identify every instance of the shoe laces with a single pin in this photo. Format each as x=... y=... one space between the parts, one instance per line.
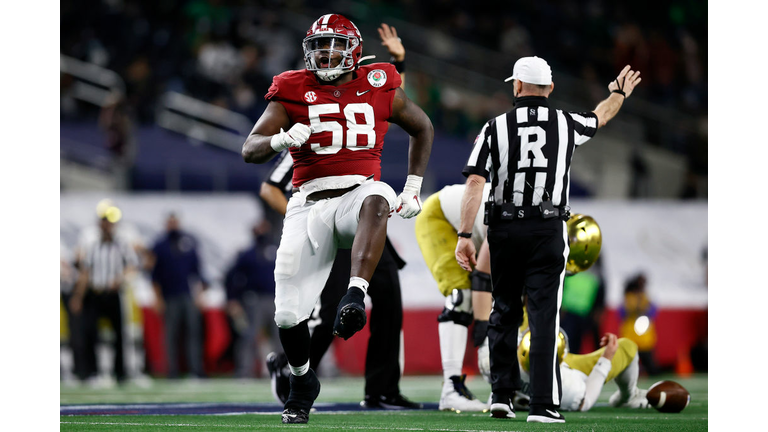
x=460 y=387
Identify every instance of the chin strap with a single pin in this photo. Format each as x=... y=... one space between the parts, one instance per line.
x=364 y=58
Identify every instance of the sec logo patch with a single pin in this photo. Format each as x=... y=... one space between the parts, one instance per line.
x=310 y=96
x=377 y=77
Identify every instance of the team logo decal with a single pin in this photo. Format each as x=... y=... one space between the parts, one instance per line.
x=377 y=77
x=310 y=96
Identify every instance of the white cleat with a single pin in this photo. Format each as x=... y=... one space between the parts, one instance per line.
x=457 y=397
x=637 y=399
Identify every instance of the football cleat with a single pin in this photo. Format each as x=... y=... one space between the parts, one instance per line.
x=279 y=374
x=457 y=397
x=540 y=414
x=501 y=406
x=292 y=415
x=635 y=400
x=350 y=316
x=397 y=402
x=304 y=391
x=521 y=401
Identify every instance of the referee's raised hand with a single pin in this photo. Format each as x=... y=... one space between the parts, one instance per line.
x=625 y=82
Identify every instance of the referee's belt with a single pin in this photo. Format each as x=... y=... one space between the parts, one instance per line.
x=508 y=211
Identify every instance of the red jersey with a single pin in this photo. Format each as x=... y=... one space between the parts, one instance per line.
x=349 y=121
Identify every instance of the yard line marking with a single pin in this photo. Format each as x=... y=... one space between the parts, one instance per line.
x=251 y=426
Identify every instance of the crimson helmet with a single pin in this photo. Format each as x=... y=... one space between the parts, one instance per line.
x=332 y=34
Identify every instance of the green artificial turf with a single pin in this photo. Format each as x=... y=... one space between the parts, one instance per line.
x=425 y=389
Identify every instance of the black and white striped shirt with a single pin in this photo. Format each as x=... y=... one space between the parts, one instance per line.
x=282 y=172
x=106 y=262
x=526 y=152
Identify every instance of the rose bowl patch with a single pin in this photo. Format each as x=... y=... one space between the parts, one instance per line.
x=377 y=77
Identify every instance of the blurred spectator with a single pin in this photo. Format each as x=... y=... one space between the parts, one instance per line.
x=174 y=262
x=250 y=288
x=105 y=261
x=115 y=120
x=141 y=91
x=218 y=60
x=637 y=321
x=640 y=182
x=515 y=39
x=582 y=307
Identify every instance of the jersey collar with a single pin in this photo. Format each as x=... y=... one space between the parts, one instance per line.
x=531 y=101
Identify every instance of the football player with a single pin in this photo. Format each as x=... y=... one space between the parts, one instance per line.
x=583 y=375
x=332 y=116
x=436 y=233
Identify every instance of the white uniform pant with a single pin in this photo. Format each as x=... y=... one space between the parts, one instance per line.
x=312 y=231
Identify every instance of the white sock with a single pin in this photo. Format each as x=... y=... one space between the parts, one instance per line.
x=453 y=344
x=361 y=283
x=627 y=379
x=301 y=370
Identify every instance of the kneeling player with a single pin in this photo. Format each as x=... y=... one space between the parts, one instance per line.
x=436 y=233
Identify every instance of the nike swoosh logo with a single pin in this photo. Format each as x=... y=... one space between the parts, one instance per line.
x=289 y=415
x=360 y=94
x=554 y=414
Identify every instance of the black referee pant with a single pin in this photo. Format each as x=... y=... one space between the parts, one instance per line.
x=382 y=361
x=96 y=305
x=530 y=255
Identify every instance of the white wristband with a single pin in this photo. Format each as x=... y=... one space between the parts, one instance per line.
x=603 y=366
x=278 y=141
x=413 y=183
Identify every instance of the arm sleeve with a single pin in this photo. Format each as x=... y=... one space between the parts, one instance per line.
x=282 y=172
x=584 y=126
x=480 y=159
x=595 y=383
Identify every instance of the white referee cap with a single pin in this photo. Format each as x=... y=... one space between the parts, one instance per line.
x=532 y=70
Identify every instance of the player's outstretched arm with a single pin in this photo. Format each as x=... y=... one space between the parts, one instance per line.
x=268 y=137
x=415 y=121
x=620 y=89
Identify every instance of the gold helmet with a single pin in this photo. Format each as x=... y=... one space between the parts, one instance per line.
x=524 y=349
x=586 y=240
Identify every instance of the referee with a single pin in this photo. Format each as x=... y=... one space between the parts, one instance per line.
x=382 y=361
x=106 y=260
x=527 y=153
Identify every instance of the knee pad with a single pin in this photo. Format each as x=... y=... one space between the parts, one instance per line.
x=286 y=305
x=481 y=282
x=458 y=308
x=286 y=319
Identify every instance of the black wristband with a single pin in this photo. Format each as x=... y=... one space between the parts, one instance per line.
x=479 y=332
x=465 y=235
x=621 y=92
x=399 y=65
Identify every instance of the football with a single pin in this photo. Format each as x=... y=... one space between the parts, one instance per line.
x=668 y=396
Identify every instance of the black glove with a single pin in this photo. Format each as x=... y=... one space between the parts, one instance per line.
x=350 y=315
x=479 y=332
